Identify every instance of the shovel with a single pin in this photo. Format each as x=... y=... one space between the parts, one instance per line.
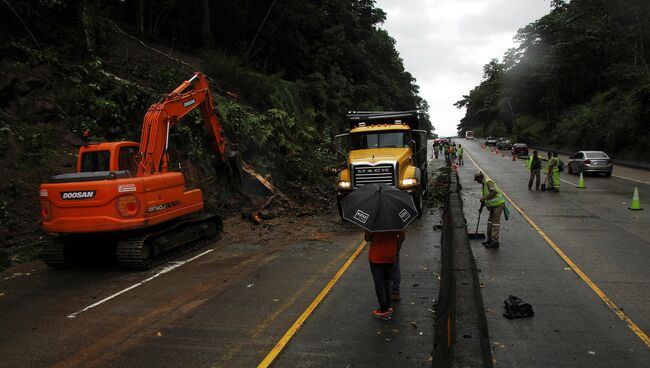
x=476 y=235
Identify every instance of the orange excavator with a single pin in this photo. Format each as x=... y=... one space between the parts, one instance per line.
x=124 y=195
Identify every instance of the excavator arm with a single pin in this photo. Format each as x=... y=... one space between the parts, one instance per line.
x=161 y=116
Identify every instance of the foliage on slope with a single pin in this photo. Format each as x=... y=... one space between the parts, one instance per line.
x=578 y=79
x=284 y=72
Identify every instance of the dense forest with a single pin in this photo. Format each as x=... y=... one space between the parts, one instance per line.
x=285 y=72
x=579 y=79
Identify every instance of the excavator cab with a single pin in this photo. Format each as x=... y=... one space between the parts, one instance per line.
x=114 y=156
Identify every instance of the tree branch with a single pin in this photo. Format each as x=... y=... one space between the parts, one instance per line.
x=23 y=22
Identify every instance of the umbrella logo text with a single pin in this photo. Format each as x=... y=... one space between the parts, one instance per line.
x=404 y=215
x=361 y=216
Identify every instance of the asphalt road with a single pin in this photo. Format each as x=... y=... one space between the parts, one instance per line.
x=585 y=268
x=228 y=305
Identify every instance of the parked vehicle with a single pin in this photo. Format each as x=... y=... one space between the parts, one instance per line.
x=590 y=162
x=490 y=141
x=504 y=144
x=520 y=149
x=469 y=135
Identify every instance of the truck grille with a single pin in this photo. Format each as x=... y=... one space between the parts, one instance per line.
x=367 y=174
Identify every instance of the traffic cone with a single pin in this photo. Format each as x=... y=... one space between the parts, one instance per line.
x=581 y=182
x=497 y=151
x=636 y=204
x=514 y=157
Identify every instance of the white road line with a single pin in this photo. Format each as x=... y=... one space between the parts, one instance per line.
x=171 y=266
x=568 y=182
x=638 y=181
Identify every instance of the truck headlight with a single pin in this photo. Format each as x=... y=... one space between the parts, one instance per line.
x=409 y=181
x=344 y=184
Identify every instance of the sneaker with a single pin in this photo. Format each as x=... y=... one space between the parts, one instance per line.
x=494 y=244
x=395 y=297
x=378 y=314
x=388 y=314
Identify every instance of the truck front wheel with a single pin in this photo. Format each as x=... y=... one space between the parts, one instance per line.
x=339 y=207
x=418 y=200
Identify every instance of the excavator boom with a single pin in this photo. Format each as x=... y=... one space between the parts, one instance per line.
x=162 y=116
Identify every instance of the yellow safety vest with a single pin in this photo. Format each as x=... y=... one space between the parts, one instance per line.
x=498 y=199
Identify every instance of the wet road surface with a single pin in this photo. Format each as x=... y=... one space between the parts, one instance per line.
x=227 y=305
x=592 y=307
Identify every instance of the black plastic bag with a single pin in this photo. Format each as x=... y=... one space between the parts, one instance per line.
x=517 y=308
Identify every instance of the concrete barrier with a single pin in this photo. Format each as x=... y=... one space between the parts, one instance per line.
x=461 y=336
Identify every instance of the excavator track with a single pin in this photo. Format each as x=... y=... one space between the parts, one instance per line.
x=137 y=250
x=53 y=253
x=148 y=250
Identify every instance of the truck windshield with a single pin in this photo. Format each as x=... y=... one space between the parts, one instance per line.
x=379 y=140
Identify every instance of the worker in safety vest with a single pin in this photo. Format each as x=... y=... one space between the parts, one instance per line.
x=460 y=154
x=493 y=199
x=452 y=153
x=555 y=170
x=549 y=172
x=534 y=164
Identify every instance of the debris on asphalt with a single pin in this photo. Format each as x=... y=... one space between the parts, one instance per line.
x=250 y=285
x=414 y=325
x=591 y=352
x=517 y=308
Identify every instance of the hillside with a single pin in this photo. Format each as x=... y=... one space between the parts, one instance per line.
x=578 y=79
x=284 y=75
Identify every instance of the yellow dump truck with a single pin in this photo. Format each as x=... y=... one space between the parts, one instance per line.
x=384 y=147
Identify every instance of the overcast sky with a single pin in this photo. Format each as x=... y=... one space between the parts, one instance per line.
x=445 y=43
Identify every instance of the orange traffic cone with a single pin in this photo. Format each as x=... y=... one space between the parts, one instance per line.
x=514 y=157
x=497 y=151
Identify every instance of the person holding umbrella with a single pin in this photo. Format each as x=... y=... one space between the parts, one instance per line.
x=384 y=212
x=382 y=255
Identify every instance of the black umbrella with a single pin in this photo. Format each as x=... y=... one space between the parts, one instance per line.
x=379 y=207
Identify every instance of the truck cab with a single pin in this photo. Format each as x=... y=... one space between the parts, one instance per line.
x=384 y=147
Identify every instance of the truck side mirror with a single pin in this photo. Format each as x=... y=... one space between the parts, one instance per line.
x=338 y=145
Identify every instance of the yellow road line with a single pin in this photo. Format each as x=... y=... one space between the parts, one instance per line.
x=615 y=308
x=270 y=357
